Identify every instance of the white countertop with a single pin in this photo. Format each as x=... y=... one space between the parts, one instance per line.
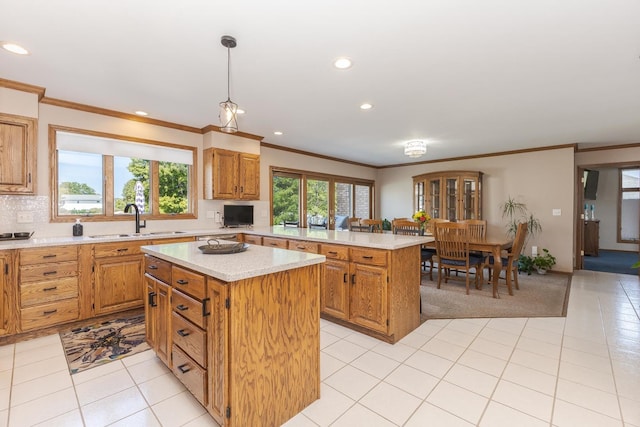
x=255 y=261
x=343 y=237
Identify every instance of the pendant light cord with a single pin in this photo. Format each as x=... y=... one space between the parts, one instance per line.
x=228 y=74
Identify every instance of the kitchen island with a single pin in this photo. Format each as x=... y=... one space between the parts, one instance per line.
x=241 y=331
x=371 y=281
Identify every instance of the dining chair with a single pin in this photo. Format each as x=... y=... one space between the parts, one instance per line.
x=510 y=262
x=373 y=225
x=411 y=228
x=354 y=223
x=477 y=228
x=393 y=222
x=452 y=249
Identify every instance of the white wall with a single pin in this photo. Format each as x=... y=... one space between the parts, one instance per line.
x=543 y=180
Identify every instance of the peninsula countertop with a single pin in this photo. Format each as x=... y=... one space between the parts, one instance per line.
x=255 y=261
x=342 y=237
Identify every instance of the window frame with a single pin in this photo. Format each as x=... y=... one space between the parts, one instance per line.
x=621 y=191
x=332 y=179
x=108 y=198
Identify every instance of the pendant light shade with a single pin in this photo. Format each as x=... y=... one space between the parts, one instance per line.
x=415 y=148
x=228 y=114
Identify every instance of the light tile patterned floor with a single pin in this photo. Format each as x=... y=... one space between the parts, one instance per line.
x=580 y=371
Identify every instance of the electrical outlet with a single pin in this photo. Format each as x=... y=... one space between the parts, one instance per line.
x=24 y=217
x=218 y=219
x=556 y=212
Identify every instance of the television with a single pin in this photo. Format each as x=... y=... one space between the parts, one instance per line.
x=238 y=215
x=590 y=184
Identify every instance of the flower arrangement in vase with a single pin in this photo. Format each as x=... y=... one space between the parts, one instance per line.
x=422 y=218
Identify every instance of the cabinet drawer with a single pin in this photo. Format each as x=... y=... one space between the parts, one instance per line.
x=157 y=268
x=50 y=254
x=46 y=291
x=188 y=308
x=190 y=374
x=189 y=338
x=274 y=242
x=188 y=282
x=118 y=249
x=369 y=256
x=302 y=246
x=44 y=315
x=335 y=251
x=252 y=240
x=54 y=270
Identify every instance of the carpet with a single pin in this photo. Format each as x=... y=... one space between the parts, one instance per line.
x=612 y=262
x=94 y=345
x=539 y=296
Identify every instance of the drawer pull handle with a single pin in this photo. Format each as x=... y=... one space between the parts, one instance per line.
x=153 y=267
x=182 y=307
x=353 y=279
x=344 y=279
x=182 y=282
x=49 y=273
x=205 y=313
x=122 y=249
x=152 y=302
x=367 y=256
x=53 y=288
x=184 y=368
x=182 y=333
x=49 y=256
x=49 y=312
x=300 y=247
x=332 y=253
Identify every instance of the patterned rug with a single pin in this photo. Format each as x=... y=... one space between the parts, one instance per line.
x=101 y=343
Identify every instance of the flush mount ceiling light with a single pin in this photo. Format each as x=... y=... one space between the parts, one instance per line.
x=277 y=132
x=228 y=109
x=14 y=48
x=342 y=63
x=415 y=148
x=366 y=106
x=142 y=113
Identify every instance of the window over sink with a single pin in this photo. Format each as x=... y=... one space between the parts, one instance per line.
x=96 y=174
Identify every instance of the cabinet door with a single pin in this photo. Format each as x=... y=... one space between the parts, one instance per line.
x=225 y=179
x=469 y=199
x=368 y=297
x=249 y=176
x=150 y=311
x=434 y=198
x=4 y=288
x=217 y=350
x=334 y=293
x=119 y=283
x=17 y=162
x=163 y=326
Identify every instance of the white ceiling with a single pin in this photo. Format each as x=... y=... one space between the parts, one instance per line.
x=468 y=76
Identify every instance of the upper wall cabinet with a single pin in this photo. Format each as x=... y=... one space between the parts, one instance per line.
x=231 y=175
x=17 y=154
x=453 y=195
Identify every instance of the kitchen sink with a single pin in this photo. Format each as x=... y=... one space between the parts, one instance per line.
x=155 y=233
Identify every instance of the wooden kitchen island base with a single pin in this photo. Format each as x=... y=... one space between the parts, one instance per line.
x=248 y=348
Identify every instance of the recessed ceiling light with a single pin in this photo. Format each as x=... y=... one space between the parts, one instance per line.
x=14 y=48
x=277 y=132
x=142 y=113
x=239 y=111
x=342 y=63
x=366 y=106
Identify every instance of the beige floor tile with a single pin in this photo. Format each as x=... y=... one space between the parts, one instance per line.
x=345 y=351
x=375 y=364
x=530 y=378
x=70 y=419
x=443 y=349
x=141 y=418
x=331 y=405
x=300 y=420
x=329 y=365
x=39 y=387
x=178 y=410
x=114 y=407
x=44 y=408
x=147 y=370
x=352 y=382
x=412 y=381
x=588 y=377
x=98 y=371
x=391 y=403
x=472 y=380
x=360 y=415
x=40 y=369
x=458 y=401
x=103 y=386
x=566 y=414
x=429 y=363
x=524 y=399
x=499 y=415
x=398 y=351
x=483 y=362
x=492 y=348
x=430 y=415
x=535 y=361
x=588 y=397
x=161 y=388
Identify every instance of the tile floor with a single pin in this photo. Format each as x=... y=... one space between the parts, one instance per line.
x=580 y=371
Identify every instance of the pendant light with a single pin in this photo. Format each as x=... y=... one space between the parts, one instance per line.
x=228 y=110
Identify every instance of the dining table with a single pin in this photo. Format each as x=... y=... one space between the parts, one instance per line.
x=493 y=245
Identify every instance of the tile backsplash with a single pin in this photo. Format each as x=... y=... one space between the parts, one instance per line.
x=33 y=208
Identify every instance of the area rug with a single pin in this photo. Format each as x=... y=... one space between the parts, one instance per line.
x=94 y=345
x=538 y=296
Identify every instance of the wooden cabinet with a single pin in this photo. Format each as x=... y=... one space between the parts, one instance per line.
x=157 y=307
x=334 y=297
x=5 y=292
x=48 y=286
x=118 y=277
x=17 y=154
x=275 y=242
x=302 y=246
x=368 y=301
x=591 y=237
x=252 y=239
x=231 y=175
x=453 y=195
x=189 y=313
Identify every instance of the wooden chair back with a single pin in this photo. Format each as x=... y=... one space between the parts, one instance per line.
x=406 y=227
x=374 y=225
x=354 y=223
x=477 y=228
x=432 y=223
x=518 y=242
x=452 y=242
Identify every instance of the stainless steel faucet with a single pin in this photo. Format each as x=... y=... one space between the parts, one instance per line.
x=135 y=208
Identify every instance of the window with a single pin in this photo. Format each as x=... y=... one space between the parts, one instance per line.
x=96 y=175
x=309 y=199
x=629 y=205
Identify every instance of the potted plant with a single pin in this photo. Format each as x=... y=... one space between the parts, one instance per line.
x=422 y=218
x=525 y=264
x=515 y=212
x=544 y=262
